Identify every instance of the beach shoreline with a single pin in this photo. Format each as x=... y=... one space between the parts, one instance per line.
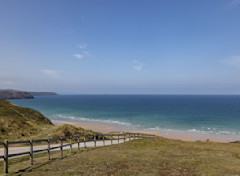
x=171 y=134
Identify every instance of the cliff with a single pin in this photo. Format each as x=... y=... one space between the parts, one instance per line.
x=14 y=94
x=42 y=93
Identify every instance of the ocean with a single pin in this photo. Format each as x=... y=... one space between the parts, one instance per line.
x=213 y=114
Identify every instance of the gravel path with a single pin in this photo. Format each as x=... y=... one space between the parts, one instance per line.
x=14 y=150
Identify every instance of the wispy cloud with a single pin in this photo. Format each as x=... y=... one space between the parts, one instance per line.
x=51 y=73
x=83 y=51
x=138 y=66
x=5 y=83
x=233 y=61
x=83 y=46
x=232 y=4
x=79 y=56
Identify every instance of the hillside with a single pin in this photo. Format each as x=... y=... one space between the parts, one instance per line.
x=14 y=94
x=16 y=121
x=144 y=157
x=42 y=93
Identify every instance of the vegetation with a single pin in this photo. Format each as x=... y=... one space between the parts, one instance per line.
x=148 y=157
x=14 y=94
x=18 y=123
x=42 y=93
x=69 y=130
x=157 y=156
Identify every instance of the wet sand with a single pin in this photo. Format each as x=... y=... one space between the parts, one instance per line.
x=171 y=134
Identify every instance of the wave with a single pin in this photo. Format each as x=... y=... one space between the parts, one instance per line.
x=77 y=119
x=193 y=130
x=202 y=130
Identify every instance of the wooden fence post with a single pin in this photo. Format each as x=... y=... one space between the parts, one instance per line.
x=126 y=136
x=61 y=147
x=95 y=141
x=103 y=140
x=111 y=139
x=49 y=157
x=84 y=138
x=78 y=142
x=70 y=144
x=5 y=156
x=31 y=151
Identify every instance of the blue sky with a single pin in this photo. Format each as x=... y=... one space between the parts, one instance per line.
x=121 y=46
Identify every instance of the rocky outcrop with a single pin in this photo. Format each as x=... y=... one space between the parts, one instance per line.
x=14 y=94
x=42 y=93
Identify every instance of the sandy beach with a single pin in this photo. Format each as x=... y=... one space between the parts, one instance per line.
x=171 y=134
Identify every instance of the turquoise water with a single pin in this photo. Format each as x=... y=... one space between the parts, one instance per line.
x=217 y=114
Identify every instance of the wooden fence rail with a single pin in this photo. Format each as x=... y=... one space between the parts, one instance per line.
x=76 y=139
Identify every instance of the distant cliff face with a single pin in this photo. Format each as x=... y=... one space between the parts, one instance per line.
x=42 y=93
x=14 y=94
x=17 y=121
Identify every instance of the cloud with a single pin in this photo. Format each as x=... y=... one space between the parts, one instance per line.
x=232 y=4
x=82 y=46
x=51 y=73
x=79 y=56
x=5 y=83
x=83 y=51
x=233 y=61
x=138 y=66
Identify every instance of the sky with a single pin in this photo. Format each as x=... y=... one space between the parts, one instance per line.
x=120 y=46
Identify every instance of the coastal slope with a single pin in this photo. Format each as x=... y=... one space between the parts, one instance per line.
x=42 y=93
x=14 y=94
x=145 y=157
x=17 y=121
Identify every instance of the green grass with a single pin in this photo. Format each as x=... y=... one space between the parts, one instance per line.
x=20 y=123
x=148 y=157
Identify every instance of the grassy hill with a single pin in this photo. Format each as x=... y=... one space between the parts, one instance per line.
x=18 y=122
x=42 y=93
x=148 y=157
x=14 y=94
x=143 y=157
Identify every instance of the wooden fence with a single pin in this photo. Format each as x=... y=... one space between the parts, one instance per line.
x=72 y=140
